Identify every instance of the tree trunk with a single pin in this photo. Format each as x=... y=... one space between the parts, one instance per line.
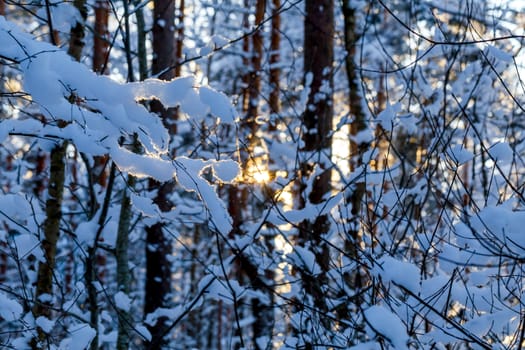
x=275 y=57
x=163 y=64
x=316 y=135
x=96 y=260
x=180 y=38
x=141 y=42
x=317 y=118
x=76 y=39
x=101 y=37
x=44 y=287
x=158 y=246
x=123 y=273
x=359 y=124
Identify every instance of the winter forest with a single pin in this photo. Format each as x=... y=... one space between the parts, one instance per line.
x=262 y=174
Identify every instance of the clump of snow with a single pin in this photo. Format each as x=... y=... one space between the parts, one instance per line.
x=219 y=40
x=80 y=339
x=189 y=175
x=306 y=259
x=401 y=273
x=503 y=225
x=144 y=205
x=143 y=331
x=63 y=14
x=86 y=232
x=206 y=49
x=28 y=244
x=219 y=104
x=122 y=301
x=501 y=151
x=385 y=323
x=499 y=54
x=387 y=117
x=45 y=324
x=459 y=154
x=226 y=170
x=10 y=310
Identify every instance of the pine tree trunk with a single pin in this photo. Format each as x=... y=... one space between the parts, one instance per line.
x=317 y=127
x=158 y=245
x=76 y=39
x=101 y=37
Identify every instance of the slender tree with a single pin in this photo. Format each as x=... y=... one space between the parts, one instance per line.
x=44 y=286
x=101 y=37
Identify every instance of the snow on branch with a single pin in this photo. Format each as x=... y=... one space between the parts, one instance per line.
x=95 y=111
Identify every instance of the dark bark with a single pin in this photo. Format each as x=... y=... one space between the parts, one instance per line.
x=101 y=37
x=317 y=127
x=123 y=273
x=275 y=57
x=51 y=232
x=180 y=38
x=76 y=39
x=358 y=124
x=163 y=64
x=317 y=118
x=158 y=245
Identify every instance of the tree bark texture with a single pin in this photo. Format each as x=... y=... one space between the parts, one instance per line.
x=123 y=273
x=275 y=57
x=180 y=38
x=317 y=118
x=44 y=287
x=101 y=37
x=357 y=125
x=163 y=63
x=76 y=39
x=141 y=42
x=317 y=128
x=158 y=246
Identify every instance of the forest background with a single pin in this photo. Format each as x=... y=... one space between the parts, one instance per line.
x=252 y=174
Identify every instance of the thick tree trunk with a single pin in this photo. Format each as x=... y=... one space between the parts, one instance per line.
x=316 y=134
x=158 y=245
x=317 y=118
x=163 y=64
